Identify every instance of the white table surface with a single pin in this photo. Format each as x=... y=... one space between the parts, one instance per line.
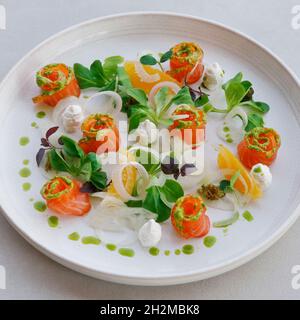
x=31 y=275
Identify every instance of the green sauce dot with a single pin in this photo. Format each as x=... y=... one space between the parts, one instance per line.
x=25 y=162
x=229 y=140
x=226 y=129
x=154 y=251
x=209 y=241
x=23 y=141
x=31 y=199
x=257 y=169
x=248 y=216
x=74 y=236
x=41 y=114
x=40 y=206
x=53 y=221
x=188 y=249
x=167 y=252
x=34 y=125
x=177 y=252
x=91 y=240
x=25 y=173
x=111 y=247
x=26 y=186
x=126 y=252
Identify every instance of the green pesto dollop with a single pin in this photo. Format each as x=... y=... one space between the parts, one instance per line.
x=154 y=251
x=226 y=129
x=229 y=140
x=25 y=162
x=23 y=141
x=126 y=252
x=24 y=172
x=91 y=240
x=188 y=249
x=248 y=216
x=41 y=114
x=34 y=125
x=53 y=221
x=111 y=247
x=167 y=252
x=40 y=206
x=177 y=252
x=26 y=186
x=209 y=241
x=74 y=236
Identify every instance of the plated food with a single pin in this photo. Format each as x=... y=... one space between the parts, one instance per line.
x=125 y=151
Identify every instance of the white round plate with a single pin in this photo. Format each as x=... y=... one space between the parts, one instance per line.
x=127 y=35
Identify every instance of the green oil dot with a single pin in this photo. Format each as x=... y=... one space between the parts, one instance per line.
x=34 y=125
x=91 y=240
x=229 y=140
x=25 y=162
x=25 y=173
x=53 y=221
x=177 y=252
x=248 y=216
x=126 y=252
x=74 y=236
x=31 y=199
x=188 y=249
x=23 y=141
x=111 y=247
x=154 y=251
x=40 y=206
x=226 y=129
x=26 y=186
x=167 y=252
x=41 y=114
x=209 y=241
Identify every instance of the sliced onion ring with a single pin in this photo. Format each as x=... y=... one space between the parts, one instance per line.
x=144 y=75
x=171 y=85
x=115 y=97
x=117 y=179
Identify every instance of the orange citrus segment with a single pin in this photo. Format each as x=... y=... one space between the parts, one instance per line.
x=227 y=160
x=139 y=79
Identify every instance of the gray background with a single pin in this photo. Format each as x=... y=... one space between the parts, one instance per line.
x=30 y=274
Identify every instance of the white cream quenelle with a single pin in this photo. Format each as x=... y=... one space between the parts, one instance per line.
x=72 y=118
x=146 y=132
x=262 y=175
x=213 y=76
x=150 y=233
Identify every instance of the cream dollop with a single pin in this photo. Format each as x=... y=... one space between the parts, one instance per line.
x=72 y=118
x=262 y=175
x=150 y=233
x=213 y=76
x=146 y=133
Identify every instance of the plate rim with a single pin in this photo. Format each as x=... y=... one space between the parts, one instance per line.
x=191 y=276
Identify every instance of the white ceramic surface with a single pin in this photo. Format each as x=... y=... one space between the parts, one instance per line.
x=126 y=35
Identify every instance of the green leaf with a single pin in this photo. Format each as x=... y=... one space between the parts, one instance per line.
x=234 y=179
x=256 y=105
x=110 y=66
x=166 y=56
x=97 y=71
x=84 y=77
x=136 y=117
x=57 y=162
x=123 y=77
x=225 y=186
x=92 y=158
x=254 y=120
x=183 y=96
x=202 y=100
x=99 y=179
x=85 y=172
x=154 y=204
x=148 y=60
x=237 y=78
x=162 y=98
x=234 y=94
x=71 y=148
x=148 y=161
x=134 y=203
x=172 y=190
x=139 y=95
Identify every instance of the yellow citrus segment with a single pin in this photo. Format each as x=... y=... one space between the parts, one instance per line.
x=129 y=176
x=227 y=160
x=139 y=79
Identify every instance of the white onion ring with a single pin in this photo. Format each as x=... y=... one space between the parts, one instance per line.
x=117 y=180
x=171 y=85
x=116 y=98
x=143 y=75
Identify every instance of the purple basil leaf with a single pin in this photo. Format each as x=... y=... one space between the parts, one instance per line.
x=88 y=187
x=39 y=156
x=187 y=169
x=169 y=165
x=51 y=131
x=45 y=143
